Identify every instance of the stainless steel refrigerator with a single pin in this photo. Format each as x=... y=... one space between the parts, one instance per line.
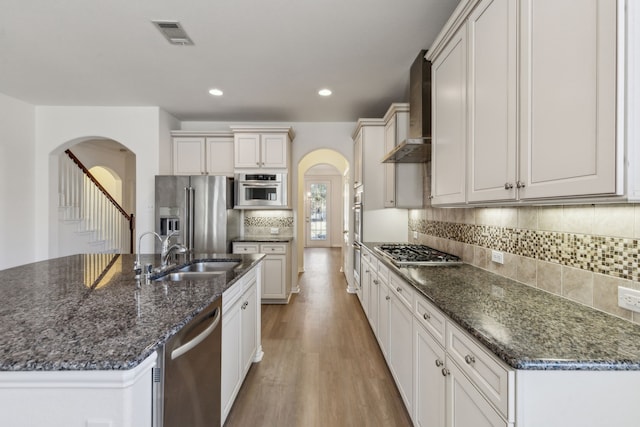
x=200 y=209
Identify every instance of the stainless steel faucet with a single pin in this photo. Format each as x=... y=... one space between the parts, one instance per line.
x=137 y=267
x=168 y=250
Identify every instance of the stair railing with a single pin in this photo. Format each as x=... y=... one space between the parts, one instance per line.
x=86 y=199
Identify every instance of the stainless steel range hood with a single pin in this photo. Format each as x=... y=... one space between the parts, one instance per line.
x=417 y=147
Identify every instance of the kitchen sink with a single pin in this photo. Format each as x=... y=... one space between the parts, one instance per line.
x=199 y=271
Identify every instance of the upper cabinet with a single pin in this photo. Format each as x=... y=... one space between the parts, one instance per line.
x=261 y=148
x=449 y=138
x=198 y=153
x=527 y=95
x=368 y=151
x=403 y=182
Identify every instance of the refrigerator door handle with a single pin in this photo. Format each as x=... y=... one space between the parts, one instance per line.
x=191 y=207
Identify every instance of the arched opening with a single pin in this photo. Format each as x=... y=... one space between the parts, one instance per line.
x=340 y=165
x=93 y=183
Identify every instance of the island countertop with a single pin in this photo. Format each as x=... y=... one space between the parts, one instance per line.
x=88 y=312
x=525 y=327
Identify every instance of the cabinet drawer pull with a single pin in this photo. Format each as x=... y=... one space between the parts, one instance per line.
x=399 y=289
x=387 y=297
x=508 y=186
x=366 y=271
x=426 y=316
x=376 y=282
x=439 y=363
x=244 y=306
x=445 y=372
x=469 y=359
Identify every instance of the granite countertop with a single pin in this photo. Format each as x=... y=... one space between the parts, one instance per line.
x=88 y=312
x=526 y=327
x=265 y=239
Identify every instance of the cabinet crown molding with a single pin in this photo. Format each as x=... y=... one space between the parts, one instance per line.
x=214 y=134
x=264 y=129
x=366 y=122
x=396 y=107
x=457 y=18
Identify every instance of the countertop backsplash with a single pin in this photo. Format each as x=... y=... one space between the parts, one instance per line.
x=272 y=223
x=582 y=253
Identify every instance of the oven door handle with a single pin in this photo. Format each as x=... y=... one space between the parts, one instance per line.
x=260 y=184
x=200 y=337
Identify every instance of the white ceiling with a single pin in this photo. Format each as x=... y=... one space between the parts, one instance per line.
x=269 y=57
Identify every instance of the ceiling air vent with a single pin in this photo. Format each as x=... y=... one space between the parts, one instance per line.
x=173 y=32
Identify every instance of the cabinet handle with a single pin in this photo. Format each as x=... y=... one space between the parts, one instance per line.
x=520 y=184
x=366 y=271
x=399 y=289
x=445 y=372
x=375 y=281
x=508 y=186
x=387 y=297
x=439 y=363
x=426 y=316
x=469 y=359
x=246 y=303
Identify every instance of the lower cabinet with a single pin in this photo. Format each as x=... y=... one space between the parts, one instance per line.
x=400 y=352
x=430 y=382
x=276 y=279
x=240 y=335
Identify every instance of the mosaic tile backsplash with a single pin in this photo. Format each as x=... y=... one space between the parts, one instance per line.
x=582 y=253
x=260 y=223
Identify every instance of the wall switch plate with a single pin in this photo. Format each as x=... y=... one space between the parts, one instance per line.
x=415 y=234
x=275 y=230
x=497 y=256
x=629 y=298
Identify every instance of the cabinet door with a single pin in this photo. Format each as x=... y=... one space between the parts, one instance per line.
x=188 y=156
x=365 y=282
x=449 y=79
x=429 y=382
x=374 y=290
x=219 y=156
x=383 y=319
x=568 y=98
x=246 y=150
x=231 y=356
x=357 y=160
x=390 y=168
x=401 y=349
x=274 y=151
x=466 y=407
x=492 y=145
x=248 y=334
x=274 y=273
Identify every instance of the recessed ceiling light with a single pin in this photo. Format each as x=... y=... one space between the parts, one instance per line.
x=324 y=92
x=215 y=92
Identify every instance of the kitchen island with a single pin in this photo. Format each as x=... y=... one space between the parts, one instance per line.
x=484 y=346
x=85 y=323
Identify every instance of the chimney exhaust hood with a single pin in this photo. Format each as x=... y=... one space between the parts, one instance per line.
x=417 y=147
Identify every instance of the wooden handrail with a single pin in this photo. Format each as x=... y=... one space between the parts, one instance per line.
x=129 y=217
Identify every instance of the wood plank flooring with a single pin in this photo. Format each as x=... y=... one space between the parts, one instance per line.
x=322 y=365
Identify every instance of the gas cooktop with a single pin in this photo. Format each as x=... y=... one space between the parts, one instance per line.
x=403 y=254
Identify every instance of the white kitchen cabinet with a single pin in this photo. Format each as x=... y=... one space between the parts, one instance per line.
x=401 y=340
x=357 y=160
x=492 y=155
x=543 y=108
x=261 y=148
x=384 y=301
x=449 y=138
x=368 y=151
x=241 y=341
x=402 y=181
x=198 y=153
x=276 y=280
x=429 y=387
x=365 y=283
x=568 y=105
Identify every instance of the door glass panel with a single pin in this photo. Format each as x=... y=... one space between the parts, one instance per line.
x=318 y=211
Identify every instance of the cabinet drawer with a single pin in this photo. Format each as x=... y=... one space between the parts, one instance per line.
x=490 y=376
x=383 y=271
x=429 y=316
x=366 y=255
x=245 y=248
x=273 y=249
x=403 y=290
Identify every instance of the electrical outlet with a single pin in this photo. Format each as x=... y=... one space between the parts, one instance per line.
x=497 y=256
x=415 y=234
x=629 y=298
x=275 y=230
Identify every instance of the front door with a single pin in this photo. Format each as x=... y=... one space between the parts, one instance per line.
x=318 y=195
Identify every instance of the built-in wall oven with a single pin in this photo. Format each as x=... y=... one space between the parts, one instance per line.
x=357 y=235
x=261 y=190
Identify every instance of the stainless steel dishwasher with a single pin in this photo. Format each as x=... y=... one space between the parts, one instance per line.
x=188 y=383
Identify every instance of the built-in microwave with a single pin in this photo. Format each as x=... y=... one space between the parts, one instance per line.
x=261 y=190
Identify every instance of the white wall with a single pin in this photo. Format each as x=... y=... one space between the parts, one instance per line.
x=17 y=191
x=137 y=128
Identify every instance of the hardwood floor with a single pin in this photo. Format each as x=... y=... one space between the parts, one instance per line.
x=322 y=365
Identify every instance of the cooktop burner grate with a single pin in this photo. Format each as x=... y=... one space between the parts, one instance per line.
x=402 y=254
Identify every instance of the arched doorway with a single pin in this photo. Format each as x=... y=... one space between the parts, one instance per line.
x=95 y=197
x=337 y=161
